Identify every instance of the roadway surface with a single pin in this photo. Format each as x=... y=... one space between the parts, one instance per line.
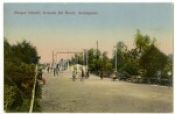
x=62 y=94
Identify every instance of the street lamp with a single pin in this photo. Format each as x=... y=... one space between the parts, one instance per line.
x=115 y=59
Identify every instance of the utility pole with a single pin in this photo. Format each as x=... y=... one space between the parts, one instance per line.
x=115 y=58
x=52 y=57
x=77 y=61
x=97 y=45
x=97 y=58
x=84 y=63
x=87 y=58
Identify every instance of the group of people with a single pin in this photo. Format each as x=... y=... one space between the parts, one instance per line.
x=55 y=68
x=80 y=72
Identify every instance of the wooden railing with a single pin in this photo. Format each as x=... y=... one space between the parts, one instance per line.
x=33 y=90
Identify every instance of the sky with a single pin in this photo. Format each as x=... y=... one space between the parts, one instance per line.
x=112 y=22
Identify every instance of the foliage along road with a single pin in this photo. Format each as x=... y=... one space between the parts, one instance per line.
x=61 y=94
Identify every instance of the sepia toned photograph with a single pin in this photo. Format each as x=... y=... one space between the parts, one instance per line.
x=88 y=57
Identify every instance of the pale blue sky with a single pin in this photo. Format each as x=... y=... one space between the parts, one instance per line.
x=114 y=22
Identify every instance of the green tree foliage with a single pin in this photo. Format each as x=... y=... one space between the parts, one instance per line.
x=141 y=41
x=126 y=59
x=153 y=60
x=77 y=59
x=19 y=72
x=25 y=52
x=92 y=59
x=119 y=53
x=154 y=63
x=97 y=61
x=9 y=96
x=168 y=69
x=105 y=64
x=145 y=59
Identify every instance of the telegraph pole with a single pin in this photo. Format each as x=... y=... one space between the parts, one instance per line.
x=97 y=45
x=115 y=58
x=97 y=58
x=52 y=57
x=84 y=63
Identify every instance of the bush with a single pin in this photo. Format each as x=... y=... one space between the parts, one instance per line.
x=19 y=72
x=9 y=96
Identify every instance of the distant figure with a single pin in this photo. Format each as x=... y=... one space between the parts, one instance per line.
x=57 y=69
x=101 y=75
x=40 y=77
x=48 y=68
x=114 y=77
x=74 y=73
x=54 y=69
x=82 y=74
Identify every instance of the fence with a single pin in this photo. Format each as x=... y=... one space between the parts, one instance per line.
x=33 y=90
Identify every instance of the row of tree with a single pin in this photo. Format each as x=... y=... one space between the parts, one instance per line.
x=96 y=60
x=144 y=61
x=19 y=72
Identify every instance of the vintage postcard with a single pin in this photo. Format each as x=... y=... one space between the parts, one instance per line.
x=88 y=57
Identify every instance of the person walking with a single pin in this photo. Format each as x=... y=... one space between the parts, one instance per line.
x=82 y=74
x=101 y=75
x=54 y=69
x=57 y=69
x=40 y=76
x=48 y=68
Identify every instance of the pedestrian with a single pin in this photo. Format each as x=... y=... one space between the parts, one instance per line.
x=48 y=68
x=101 y=75
x=40 y=76
x=82 y=74
x=54 y=69
x=57 y=68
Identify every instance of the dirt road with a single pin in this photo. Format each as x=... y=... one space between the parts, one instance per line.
x=61 y=94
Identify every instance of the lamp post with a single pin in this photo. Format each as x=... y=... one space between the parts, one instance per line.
x=52 y=57
x=115 y=58
x=97 y=60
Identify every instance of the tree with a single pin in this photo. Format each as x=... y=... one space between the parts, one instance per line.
x=105 y=65
x=153 y=60
x=19 y=72
x=92 y=60
x=142 y=42
x=97 y=61
x=119 y=54
x=25 y=52
x=127 y=60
